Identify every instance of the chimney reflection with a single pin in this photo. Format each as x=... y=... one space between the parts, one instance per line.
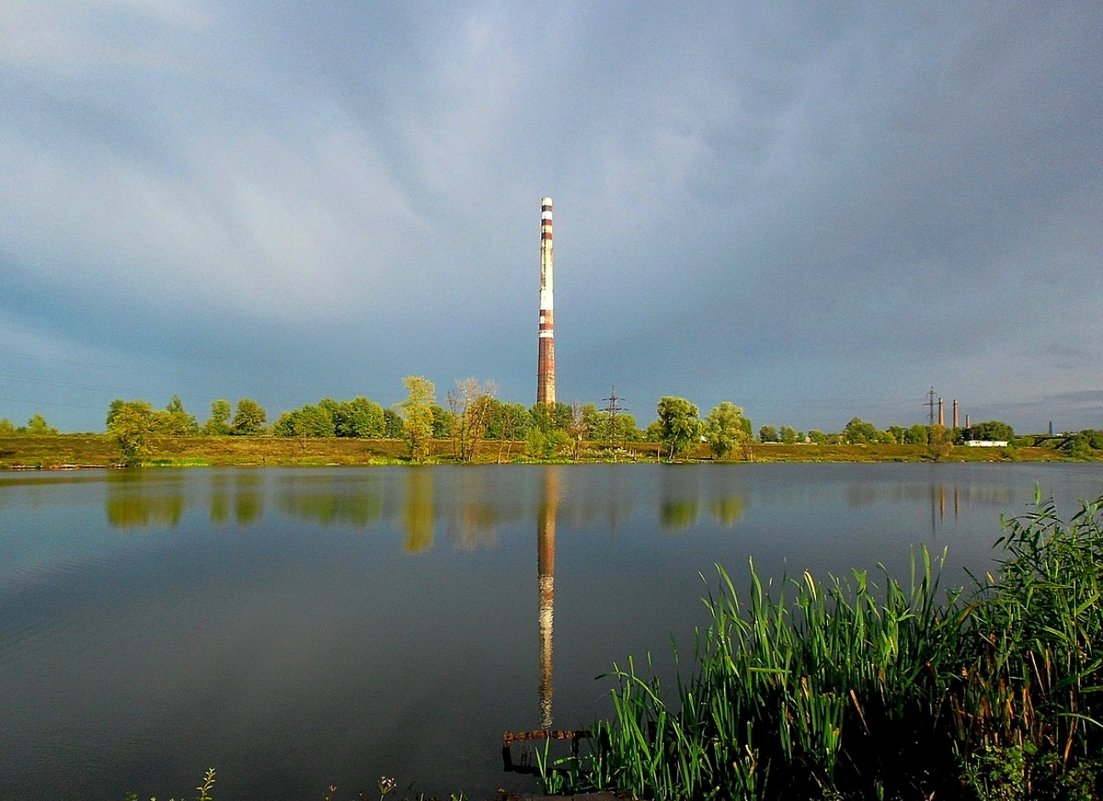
x=545 y=568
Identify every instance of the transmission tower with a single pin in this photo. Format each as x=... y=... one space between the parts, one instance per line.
x=613 y=409
x=930 y=407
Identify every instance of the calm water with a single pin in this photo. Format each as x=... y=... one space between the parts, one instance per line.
x=306 y=627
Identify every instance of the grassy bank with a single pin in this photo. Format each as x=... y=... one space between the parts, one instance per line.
x=870 y=688
x=92 y=450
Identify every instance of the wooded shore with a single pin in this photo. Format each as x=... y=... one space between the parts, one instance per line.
x=74 y=451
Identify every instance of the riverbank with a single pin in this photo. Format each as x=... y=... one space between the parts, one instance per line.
x=75 y=451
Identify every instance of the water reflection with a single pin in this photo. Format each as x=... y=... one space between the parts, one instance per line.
x=417 y=511
x=545 y=571
x=248 y=498
x=141 y=501
x=474 y=511
x=330 y=499
x=682 y=497
x=473 y=504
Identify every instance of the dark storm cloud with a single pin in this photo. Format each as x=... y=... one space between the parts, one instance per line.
x=814 y=212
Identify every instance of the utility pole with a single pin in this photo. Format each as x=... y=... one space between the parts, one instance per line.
x=930 y=407
x=613 y=408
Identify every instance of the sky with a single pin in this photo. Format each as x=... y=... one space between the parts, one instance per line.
x=814 y=210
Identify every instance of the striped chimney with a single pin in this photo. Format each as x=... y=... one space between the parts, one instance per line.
x=545 y=366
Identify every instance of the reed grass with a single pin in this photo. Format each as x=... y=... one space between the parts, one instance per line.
x=866 y=687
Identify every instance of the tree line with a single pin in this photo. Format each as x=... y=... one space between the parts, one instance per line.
x=472 y=414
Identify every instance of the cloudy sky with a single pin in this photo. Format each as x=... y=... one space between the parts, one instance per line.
x=814 y=210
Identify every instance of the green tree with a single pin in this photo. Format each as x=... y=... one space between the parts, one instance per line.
x=679 y=425
x=308 y=422
x=859 y=432
x=508 y=423
x=393 y=427
x=898 y=433
x=941 y=442
x=442 y=422
x=131 y=424
x=551 y=417
x=817 y=437
x=789 y=435
x=174 y=421
x=364 y=418
x=917 y=434
x=723 y=430
x=112 y=410
x=768 y=434
x=38 y=426
x=218 y=424
x=579 y=429
x=417 y=414
x=470 y=404
x=6 y=428
x=990 y=430
x=249 y=419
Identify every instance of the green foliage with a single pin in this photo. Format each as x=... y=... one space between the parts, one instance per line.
x=859 y=432
x=360 y=417
x=417 y=411
x=218 y=424
x=724 y=432
x=679 y=425
x=990 y=430
x=789 y=435
x=544 y=445
x=917 y=434
x=174 y=421
x=38 y=426
x=852 y=690
x=470 y=405
x=1087 y=444
x=508 y=421
x=941 y=442
x=551 y=417
x=393 y=427
x=768 y=434
x=249 y=419
x=131 y=424
x=442 y=422
x=817 y=437
x=306 y=422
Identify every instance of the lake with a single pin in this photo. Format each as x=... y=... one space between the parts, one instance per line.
x=301 y=628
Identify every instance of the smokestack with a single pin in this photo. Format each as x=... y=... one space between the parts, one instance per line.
x=967 y=424
x=955 y=414
x=941 y=414
x=545 y=366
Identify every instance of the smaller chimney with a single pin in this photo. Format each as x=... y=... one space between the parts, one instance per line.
x=941 y=413
x=956 y=421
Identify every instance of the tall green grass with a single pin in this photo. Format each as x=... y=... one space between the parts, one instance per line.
x=866 y=687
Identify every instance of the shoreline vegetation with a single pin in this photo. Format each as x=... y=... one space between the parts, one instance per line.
x=80 y=451
x=867 y=687
x=478 y=428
